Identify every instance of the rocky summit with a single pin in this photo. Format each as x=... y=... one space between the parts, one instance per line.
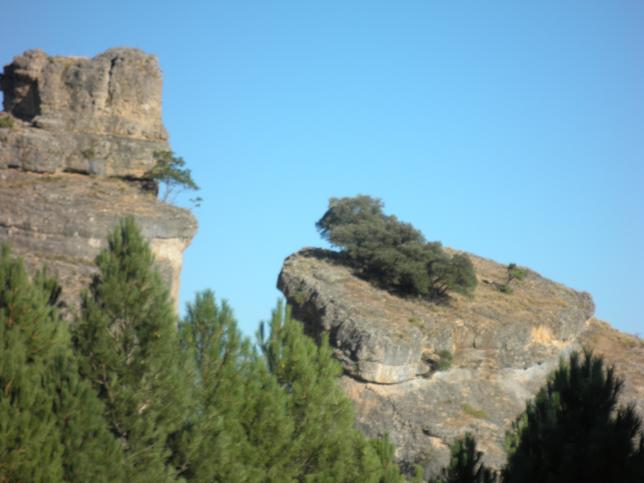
x=77 y=136
x=426 y=373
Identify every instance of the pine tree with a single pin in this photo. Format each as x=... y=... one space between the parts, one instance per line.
x=127 y=345
x=51 y=422
x=241 y=431
x=465 y=464
x=325 y=446
x=575 y=430
x=30 y=448
x=90 y=451
x=389 y=470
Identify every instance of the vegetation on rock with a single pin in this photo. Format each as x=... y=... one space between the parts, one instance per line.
x=6 y=121
x=171 y=173
x=513 y=273
x=392 y=253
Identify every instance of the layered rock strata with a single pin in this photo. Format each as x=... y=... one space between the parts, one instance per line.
x=76 y=139
x=426 y=373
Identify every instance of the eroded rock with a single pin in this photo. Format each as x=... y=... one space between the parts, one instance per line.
x=78 y=135
x=502 y=347
x=98 y=116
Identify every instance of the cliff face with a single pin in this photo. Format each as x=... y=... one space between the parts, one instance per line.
x=394 y=351
x=78 y=134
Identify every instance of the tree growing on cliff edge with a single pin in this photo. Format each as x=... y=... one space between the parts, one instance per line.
x=126 y=341
x=392 y=253
x=171 y=173
x=576 y=431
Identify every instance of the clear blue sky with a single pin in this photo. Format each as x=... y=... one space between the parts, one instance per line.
x=514 y=130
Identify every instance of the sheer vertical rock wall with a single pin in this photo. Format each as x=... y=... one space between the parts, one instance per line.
x=76 y=137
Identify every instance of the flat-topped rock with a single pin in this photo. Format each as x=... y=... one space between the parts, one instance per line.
x=99 y=116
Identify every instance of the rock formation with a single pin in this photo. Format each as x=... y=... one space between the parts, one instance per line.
x=427 y=373
x=76 y=137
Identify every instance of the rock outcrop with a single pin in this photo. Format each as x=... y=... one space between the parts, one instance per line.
x=76 y=138
x=427 y=373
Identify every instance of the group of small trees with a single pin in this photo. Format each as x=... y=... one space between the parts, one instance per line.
x=391 y=253
x=125 y=396
x=574 y=430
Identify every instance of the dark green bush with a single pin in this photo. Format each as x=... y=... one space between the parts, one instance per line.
x=392 y=253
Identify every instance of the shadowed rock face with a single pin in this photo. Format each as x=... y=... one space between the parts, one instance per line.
x=502 y=348
x=82 y=131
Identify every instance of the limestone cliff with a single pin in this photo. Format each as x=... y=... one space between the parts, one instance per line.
x=502 y=346
x=76 y=136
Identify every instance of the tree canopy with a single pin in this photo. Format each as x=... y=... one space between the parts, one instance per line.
x=392 y=253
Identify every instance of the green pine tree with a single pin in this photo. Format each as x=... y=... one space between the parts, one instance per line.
x=389 y=470
x=30 y=448
x=325 y=446
x=51 y=422
x=576 y=431
x=126 y=341
x=242 y=429
x=90 y=451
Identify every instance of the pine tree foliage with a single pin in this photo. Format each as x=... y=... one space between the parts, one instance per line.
x=389 y=470
x=127 y=345
x=465 y=464
x=51 y=422
x=392 y=253
x=30 y=448
x=325 y=446
x=241 y=430
x=90 y=451
x=576 y=431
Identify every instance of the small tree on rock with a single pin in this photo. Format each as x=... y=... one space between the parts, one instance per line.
x=171 y=172
x=392 y=253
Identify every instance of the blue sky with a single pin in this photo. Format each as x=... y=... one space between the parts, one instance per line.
x=513 y=130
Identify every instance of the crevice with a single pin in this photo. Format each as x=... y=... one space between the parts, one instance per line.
x=110 y=98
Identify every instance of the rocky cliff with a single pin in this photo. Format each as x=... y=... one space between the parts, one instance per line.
x=76 y=137
x=427 y=373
